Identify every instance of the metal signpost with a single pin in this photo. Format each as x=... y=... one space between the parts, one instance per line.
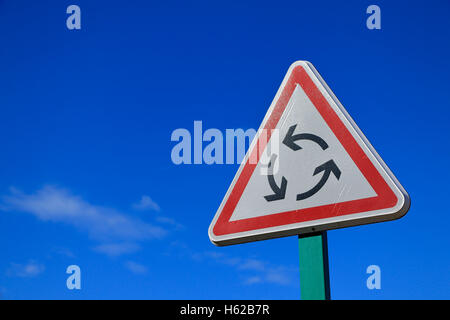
x=308 y=170
x=314 y=273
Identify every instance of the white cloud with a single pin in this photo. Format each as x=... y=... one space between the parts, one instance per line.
x=136 y=268
x=28 y=270
x=117 y=249
x=104 y=224
x=64 y=252
x=253 y=280
x=146 y=203
x=280 y=275
x=261 y=271
x=59 y=205
x=169 y=221
x=252 y=264
x=253 y=271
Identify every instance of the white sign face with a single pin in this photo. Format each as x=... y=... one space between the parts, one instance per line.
x=308 y=169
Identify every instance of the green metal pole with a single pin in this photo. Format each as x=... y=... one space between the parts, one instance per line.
x=314 y=274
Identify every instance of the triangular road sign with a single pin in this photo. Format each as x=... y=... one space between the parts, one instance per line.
x=308 y=169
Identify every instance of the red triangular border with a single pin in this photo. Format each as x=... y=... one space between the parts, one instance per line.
x=385 y=196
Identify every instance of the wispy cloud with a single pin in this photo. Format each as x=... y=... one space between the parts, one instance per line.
x=253 y=271
x=117 y=249
x=253 y=280
x=101 y=223
x=146 y=203
x=169 y=221
x=253 y=264
x=64 y=252
x=265 y=271
x=260 y=271
x=28 y=270
x=136 y=268
x=280 y=275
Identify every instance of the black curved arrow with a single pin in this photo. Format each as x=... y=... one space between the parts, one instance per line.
x=279 y=192
x=329 y=167
x=290 y=138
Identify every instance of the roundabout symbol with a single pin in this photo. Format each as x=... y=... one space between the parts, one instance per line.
x=328 y=167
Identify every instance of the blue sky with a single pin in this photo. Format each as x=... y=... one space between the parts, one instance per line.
x=86 y=176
